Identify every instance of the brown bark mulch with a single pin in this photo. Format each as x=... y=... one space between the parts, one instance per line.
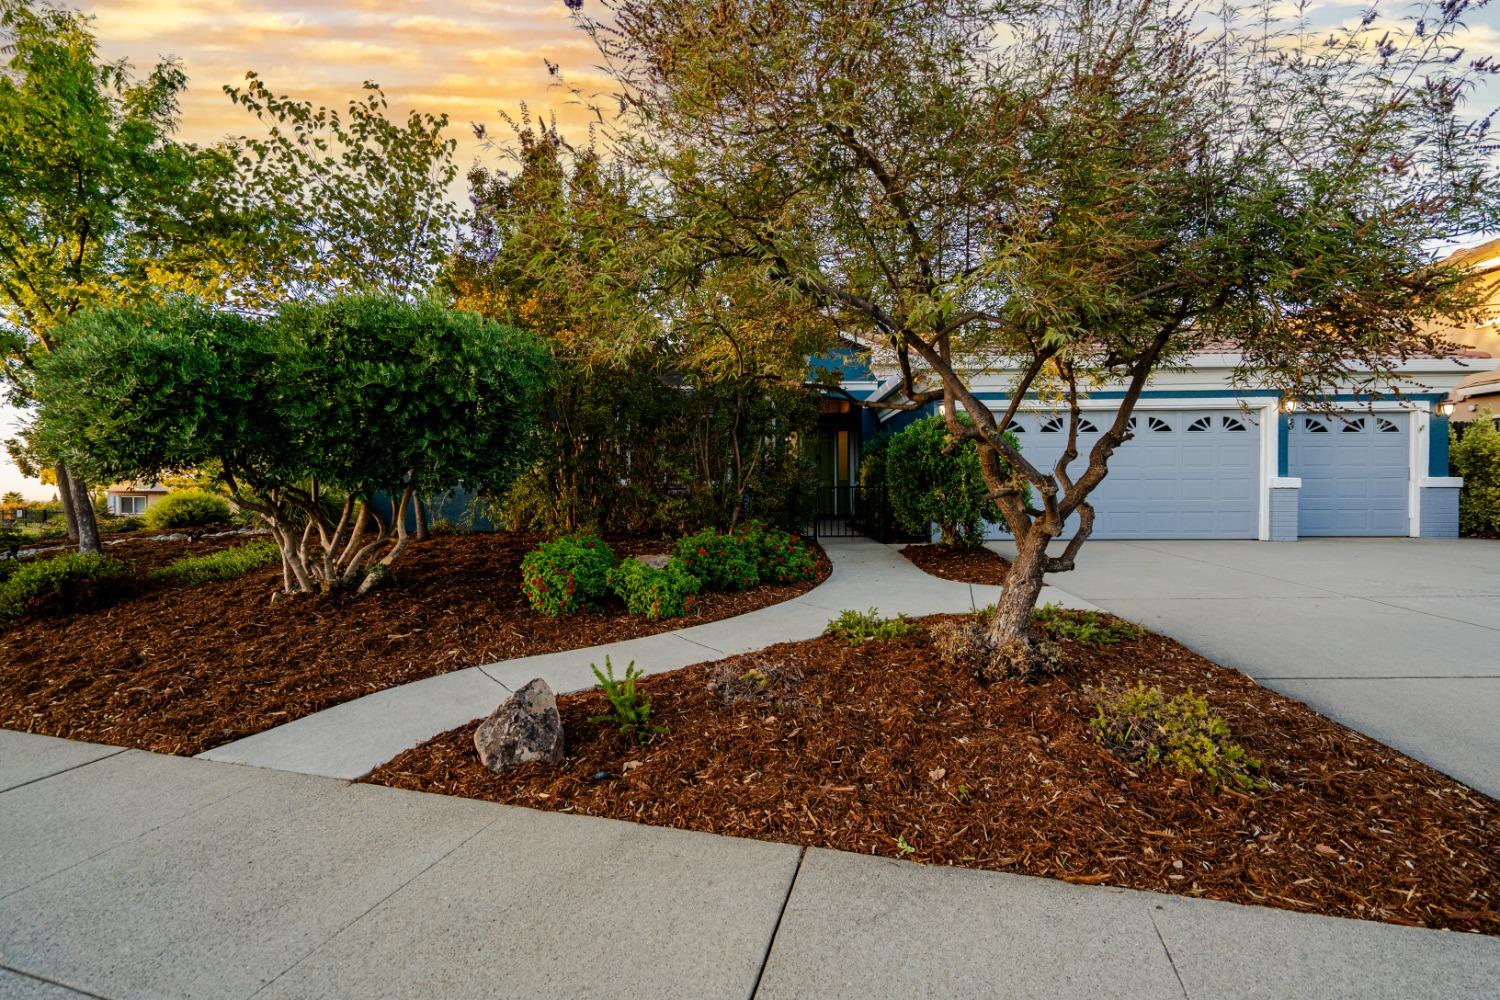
x=186 y=669
x=879 y=749
x=964 y=565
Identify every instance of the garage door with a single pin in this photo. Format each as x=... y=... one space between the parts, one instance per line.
x=1184 y=474
x=1354 y=472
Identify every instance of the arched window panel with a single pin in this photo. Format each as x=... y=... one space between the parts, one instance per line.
x=1385 y=426
x=1087 y=426
x=1232 y=424
x=1314 y=425
x=1354 y=426
x=1201 y=424
x=1158 y=425
x=1052 y=425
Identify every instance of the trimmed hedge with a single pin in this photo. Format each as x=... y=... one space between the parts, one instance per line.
x=188 y=509
x=61 y=584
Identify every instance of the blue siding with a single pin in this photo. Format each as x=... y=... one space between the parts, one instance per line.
x=1437 y=447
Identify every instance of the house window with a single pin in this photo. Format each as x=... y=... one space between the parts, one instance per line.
x=1158 y=425
x=1052 y=425
x=1314 y=426
x=1233 y=424
x=132 y=505
x=1201 y=424
x=1386 y=426
x=1354 y=426
x=1087 y=426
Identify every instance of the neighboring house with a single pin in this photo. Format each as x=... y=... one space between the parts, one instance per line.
x=1481 y=388
x=127 y=499
x=1476 y=394
x=1209 y=460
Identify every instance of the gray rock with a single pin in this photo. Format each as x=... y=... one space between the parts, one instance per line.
x=655 y=562
x=525 y=727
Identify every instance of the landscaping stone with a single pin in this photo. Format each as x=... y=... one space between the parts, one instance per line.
x=525 y=727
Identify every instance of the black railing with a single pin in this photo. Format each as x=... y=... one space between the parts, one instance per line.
x=848 y=511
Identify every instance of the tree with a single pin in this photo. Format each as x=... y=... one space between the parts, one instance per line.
x=98 y=204
x=12 y=499
x=934 y=478
x=1089 y=189
x=311 y=416
x=1476 y=457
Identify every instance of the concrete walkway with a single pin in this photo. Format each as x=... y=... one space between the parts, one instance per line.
x=125 y=874
x=352 y=739
x=1398 y=638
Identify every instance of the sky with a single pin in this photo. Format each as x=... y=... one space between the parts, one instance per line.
x=468 y=58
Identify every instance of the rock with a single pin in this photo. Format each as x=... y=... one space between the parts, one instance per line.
x=655 y=562
x=525 y=727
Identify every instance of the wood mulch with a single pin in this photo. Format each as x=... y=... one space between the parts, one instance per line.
x=182 y=670
x=964 y=565
x=879 y=749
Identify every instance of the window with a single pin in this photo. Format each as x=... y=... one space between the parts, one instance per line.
x=1016 y=427
x=1314 y=426
x=1201 y=424
x=1052 y=425
x=1232 y=423
x=1354 y=426
x=1086 y=425
x=1385 y=426
x=132 y=505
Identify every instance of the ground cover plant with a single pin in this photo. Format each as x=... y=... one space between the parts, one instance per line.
x=226 y=564
x=856 y=627
x=181 y=669
x=880 y=748
x=67 y=583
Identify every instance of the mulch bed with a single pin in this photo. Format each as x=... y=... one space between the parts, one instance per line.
x=186 y=669
x=964 y=565
x=880 y=750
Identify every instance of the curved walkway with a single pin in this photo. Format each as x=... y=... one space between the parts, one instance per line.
x=354 y=738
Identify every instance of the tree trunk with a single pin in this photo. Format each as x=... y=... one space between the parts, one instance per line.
x=419 y=507
x=83 y=514
x=1012 y=653
x=65 y=494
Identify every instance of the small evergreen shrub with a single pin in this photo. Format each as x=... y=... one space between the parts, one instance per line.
x=780 y=557
x=61 y=584
x=1476 y=457
x=934 y=479
x=629 y=710
x=1143 y=725
x=128 y=523
x=1087 y=627
x=670 y=592
x=188 y=509
x=722 y=561
x=567 y=574
x=223 y=565
x=857 y=627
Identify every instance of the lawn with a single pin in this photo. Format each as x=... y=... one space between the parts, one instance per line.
x=879 y=748
x=183 y=669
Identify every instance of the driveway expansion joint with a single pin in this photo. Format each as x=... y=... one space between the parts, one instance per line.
x=51 y=982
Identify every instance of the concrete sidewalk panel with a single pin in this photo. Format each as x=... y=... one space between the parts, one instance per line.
x=1258 y=953
x=14 y=986
x=548 y=905
x=220 y=902
x=49 y=826
x=860 y=928
x=26 y=757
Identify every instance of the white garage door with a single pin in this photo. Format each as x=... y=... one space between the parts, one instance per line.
x=1184 y=474
x=1354 y=470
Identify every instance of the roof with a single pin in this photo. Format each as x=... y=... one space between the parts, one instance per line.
x=136 y=488
x=1482 y=334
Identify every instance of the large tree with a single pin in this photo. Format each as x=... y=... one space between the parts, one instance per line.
x=1082 y=191
x=98 y=203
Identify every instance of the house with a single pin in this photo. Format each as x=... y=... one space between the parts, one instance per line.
x=1208 y=459
x=1482 y=388
x=1475 y=395
x=127 y=499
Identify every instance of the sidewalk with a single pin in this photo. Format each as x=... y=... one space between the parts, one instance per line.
x=127 y=874
x=354 y=738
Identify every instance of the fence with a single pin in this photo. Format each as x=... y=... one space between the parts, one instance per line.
x=848 y=511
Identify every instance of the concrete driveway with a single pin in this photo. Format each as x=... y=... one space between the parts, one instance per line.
x=1396 y=637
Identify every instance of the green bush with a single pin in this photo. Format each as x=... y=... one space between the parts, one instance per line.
x=629 y=710
x=857 y=627
x=8 y=569
x=567 y=574
x=931 y=480
x=780 y=557
x=188 y=509
x=670 y=592
x=123 y=524
x=722 y=561
x=223 y=565
x=1087 y=627
x=61 y=584
x=1476 y=457
x=1143 y=725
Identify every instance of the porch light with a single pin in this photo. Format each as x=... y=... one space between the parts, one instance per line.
x=1445 y=408
x=1288 y=405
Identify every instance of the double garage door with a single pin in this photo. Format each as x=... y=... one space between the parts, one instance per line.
x=1354 y=472
x=1184 y=473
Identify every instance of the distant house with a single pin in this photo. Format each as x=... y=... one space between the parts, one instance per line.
x=127 y=499
x=1481 y=389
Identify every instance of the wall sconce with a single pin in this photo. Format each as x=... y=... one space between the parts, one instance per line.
x=1445 y=408
x=1288 y=405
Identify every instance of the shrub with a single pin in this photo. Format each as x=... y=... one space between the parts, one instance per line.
x=670 y=592
x=1143 y=725
x=1476 y=457
x=567 y=574
x=128 y=523
x=722 y=561
x=856 y=627
x=629 y=710
x=64 y=583
x=223 y=565
x=965 y=645
x=933 y=480
x=188 y=509
x=780 y=557
x=1087 y=627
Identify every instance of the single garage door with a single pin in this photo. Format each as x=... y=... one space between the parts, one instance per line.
x=1184 y=474
x=1354 y=470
